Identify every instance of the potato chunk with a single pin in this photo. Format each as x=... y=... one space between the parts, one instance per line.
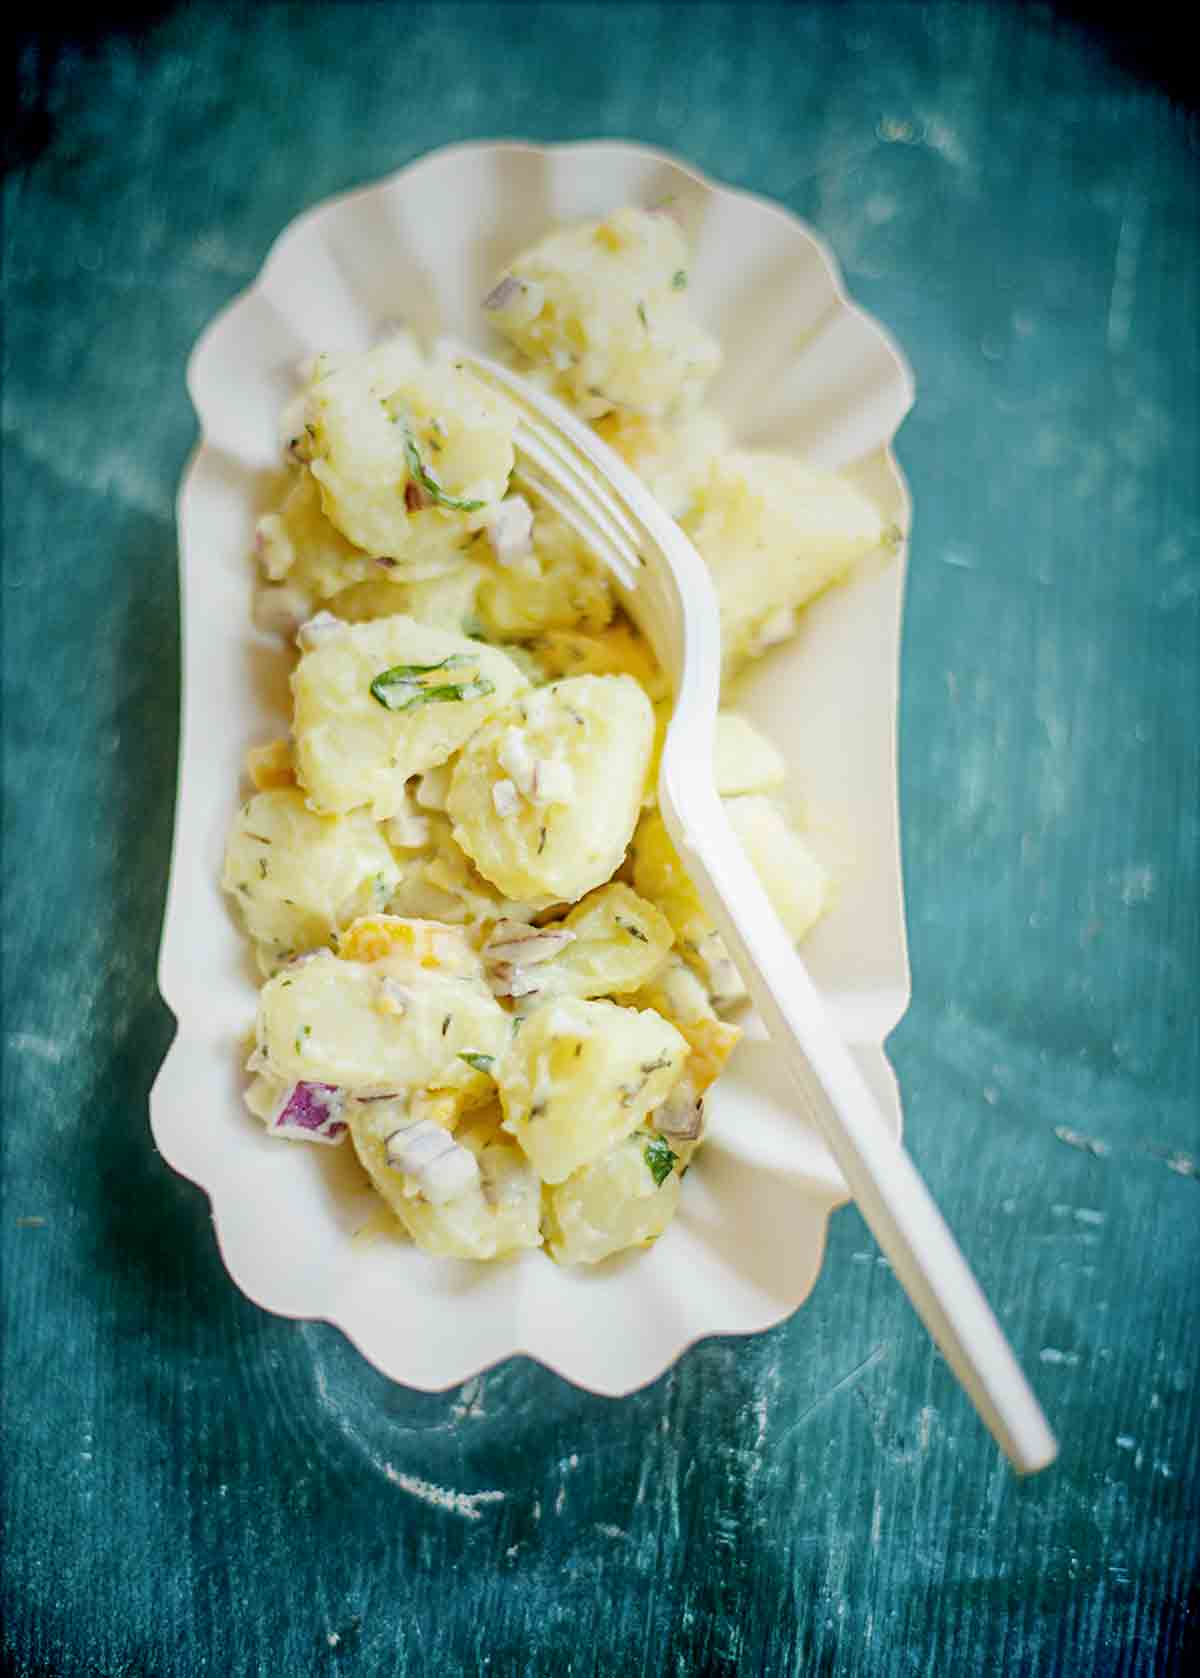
x=403 y=1020
x=557 y=584
x=581 y=1075
x=545 y=797
x=299 y=545
x=602 y=308
x=378 y=702
x=298 y=878
x=411 y=460
x=774 y=533
x=743 y=759
x=446 y=601
x=659 y=875
x=614 y=1203
x=616 y=943
x=500 y=1212
x=796 y=881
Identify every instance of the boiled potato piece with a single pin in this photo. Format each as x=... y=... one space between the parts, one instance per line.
x=796 y=881
x=602 y=307
x=774 y=532
x=555 y=585
x=441 y=883
x=400 y=1021
x=351 y=748
x=617 y=651
x=580 y=1075
x=743 y=759
x=614 y=1203
x=298 y=877
x=299 y=545
x=659 y=875
x=673 y=461
x=619 y=941
x=499 y=1213
x=545 y=796
x=410 y=459
x=446 y=601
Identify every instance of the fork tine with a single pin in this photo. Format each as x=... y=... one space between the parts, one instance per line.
x=590 y=534
x=584 y=473
x=573 y=464
x=550 y=465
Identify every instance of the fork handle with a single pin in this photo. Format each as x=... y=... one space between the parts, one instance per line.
x=885 y=1184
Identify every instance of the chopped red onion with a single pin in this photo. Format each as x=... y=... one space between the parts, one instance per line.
x=424 y=1151
x=503 y=294
x=311 y=1113
x=317 y=629
x=510 y=529
x=681 y=1115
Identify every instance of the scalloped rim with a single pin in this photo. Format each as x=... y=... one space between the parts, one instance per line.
x=158 y=1119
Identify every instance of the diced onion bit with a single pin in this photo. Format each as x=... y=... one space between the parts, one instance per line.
x=317 y=629
x=312 y=1113
x=513 y=947
x=427 y=1153
x=503 y=294
x=393 y=998
x=520 y=300
x=553 y=782
x=517 y=760
x=510 y=530
x=681 y=1115
x=506 y=800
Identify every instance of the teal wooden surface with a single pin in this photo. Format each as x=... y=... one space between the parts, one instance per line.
x=191 y=1486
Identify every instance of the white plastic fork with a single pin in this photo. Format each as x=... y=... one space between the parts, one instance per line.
x=669 y=592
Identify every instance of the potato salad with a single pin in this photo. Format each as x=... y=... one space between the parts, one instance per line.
x=483 y=966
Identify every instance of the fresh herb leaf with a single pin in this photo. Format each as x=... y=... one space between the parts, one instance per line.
x=401 y=688
x=679 y=280
x=481 y=1063
x=649 y=1066
x=642 y=316
x=631 y=929
x=660 y=1161
x=430 y=484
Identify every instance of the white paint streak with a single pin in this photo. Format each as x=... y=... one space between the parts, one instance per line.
x=30 y=1043
x=1137 y=884
x=109 y=471
x=439 y=1497
x=1086 y=1144
x=1051 y=1354
x=610 y=1531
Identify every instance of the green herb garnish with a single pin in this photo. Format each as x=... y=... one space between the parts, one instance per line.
x=481 y=1063
x=631 y=929
x=660 y=1161
x=401 y=688
x=649 y=1066
x=679 y=280
x=642 y=316
x=430 y=484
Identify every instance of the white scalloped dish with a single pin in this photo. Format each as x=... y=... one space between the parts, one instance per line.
x=804 y=372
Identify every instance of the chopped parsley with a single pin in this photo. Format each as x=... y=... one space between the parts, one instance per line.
x=660 y=1160
x=481 y=1063
x=649 y=1066
x=430 y=485
x=679 y=280
x=642 y=316
x=633 y=930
